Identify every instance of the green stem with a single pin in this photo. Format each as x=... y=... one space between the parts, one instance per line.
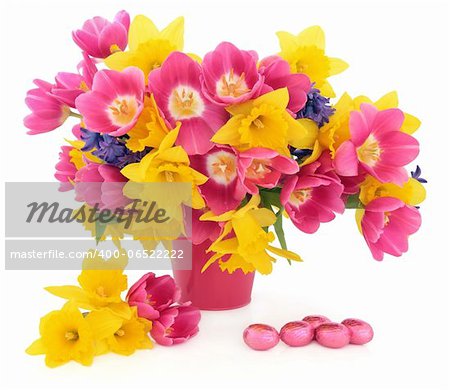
x=75 y=115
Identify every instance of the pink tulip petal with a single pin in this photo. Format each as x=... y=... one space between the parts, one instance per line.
x=346 y=160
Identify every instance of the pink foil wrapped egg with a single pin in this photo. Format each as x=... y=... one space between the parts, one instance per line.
x=316 y=320
x=332 y=335
x=261 y=337
x=360 y=331
x=297 y=333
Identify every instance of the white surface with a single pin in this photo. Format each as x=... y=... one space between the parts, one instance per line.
x=389 y=45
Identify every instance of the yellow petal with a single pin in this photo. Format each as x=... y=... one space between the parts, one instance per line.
x=410 y=124
x=390 y=100
x=103 y=323
x=337 y=66
x=418 y=192
x=121 y=309
x=228 y=133
x=174 y=33
x=197 y=200
x=120 y=60
x=302 y=133
x=263 y=216
x=277 y=98
x=170 y=138
x=326 y=89
x=253 y=203
x=226 y=246
x=288 y=42
x=175 y=155
x=36 y=348
x=74 y=293
x=359 y=213
x=210 y=216
x=284 y=253
x=142 y=29
x=210 y=261
x=317 y=151
x=312 y=36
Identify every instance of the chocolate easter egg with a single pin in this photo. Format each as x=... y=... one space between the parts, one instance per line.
x=261 y=337
x=297 y=333
x=316 y=320
x=332 y=335
x=360 y=331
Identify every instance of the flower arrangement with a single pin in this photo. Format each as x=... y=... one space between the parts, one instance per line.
x=259 y=140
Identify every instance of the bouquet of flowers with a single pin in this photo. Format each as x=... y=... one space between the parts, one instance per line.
x=259 y=140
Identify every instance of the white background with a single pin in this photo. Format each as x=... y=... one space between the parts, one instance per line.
x=389 y=45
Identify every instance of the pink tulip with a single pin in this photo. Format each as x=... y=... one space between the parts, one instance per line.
x=115 y=102
x=377 y=145
x=203 y=230
x=151 y=295
x=277 y=74
x=87 y=69
x=386 y=225
x=65 y=169
x=230 y=76
x=48 y=113
x=178 y=93
x=263 y=167
x=313 y=195
x=68 y=87
x=100 y=185
x=99 y=37
x=176 y=325
x=224 y=190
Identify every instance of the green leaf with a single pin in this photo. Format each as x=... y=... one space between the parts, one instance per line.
x=99 y=230
x=353 y=202
x=278 y=225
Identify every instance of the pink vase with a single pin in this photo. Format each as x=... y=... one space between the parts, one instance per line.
x=213 y=289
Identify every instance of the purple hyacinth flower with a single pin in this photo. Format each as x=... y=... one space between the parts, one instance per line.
x=317 y=107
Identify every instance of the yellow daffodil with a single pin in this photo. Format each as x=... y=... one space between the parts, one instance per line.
x=305 y=53
x=390 y=100
x=249 y=247
x=99 y=288
x=168 y=164
x=264 y=122
x=336 y=131
x=412 y=192
x=65 y=335
x=147 y=46
x=333 y=133
x=119 y=335
x=78 y=157
x=150 y=128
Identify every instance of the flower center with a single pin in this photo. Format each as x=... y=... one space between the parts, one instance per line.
x=149 y=300
x=258 y=169
x=369 y=152
x=168 y=331
x=71 y=335
x=100 y=291
x=299 y=197
x=169 y=176
x=122 y=110
x=386 y=218
x=120 y=332
x=185 y=103
x=258 y=123
x=231 y=84
x=221 y=167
